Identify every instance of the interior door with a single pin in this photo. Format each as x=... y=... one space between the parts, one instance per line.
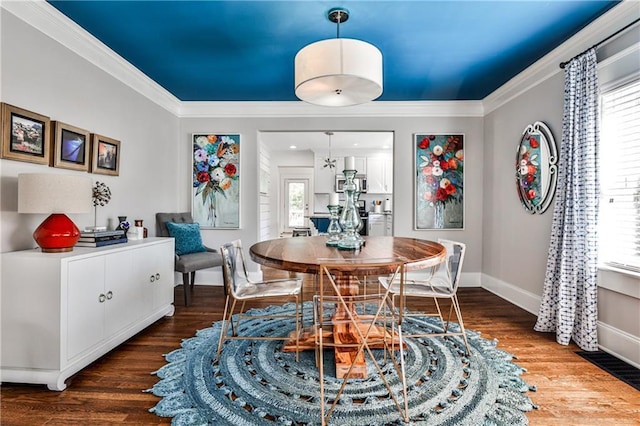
x=296 y=203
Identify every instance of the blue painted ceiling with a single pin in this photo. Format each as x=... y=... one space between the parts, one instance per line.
x=244 y=50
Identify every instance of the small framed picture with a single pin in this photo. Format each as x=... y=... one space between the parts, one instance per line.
x=71 y=146
x=105 y=155
x=25 y=135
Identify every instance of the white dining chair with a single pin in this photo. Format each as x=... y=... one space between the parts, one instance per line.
x=239 y=288
x=437 y=282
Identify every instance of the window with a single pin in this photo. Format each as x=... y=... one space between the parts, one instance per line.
x=619 y=230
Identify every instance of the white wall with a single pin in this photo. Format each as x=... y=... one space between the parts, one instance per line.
x=404 y=128
x=515 y=242
x=41 y=75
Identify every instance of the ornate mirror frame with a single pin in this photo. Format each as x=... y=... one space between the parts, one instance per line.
x=536 y=168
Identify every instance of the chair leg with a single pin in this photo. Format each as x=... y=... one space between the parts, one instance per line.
x=456 y=305
x=224 y=328
x=186 y=285
x=293 y=276
x=319 y=358
x=193 y=280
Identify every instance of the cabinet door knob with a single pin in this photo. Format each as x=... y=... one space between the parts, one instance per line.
x=109 y=295
x=152 y=278
x=102 y=298
x=158 y=276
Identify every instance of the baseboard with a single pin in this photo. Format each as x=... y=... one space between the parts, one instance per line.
x=526 y=300
x=610 y=339
x=619 y=344
x=211 y=276
x=471 y=279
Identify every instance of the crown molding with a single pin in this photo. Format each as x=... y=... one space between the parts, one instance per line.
x=48 y=20
x=302 y=109
x=549 y=65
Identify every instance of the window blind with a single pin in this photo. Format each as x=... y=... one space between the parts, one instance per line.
x=619 y=230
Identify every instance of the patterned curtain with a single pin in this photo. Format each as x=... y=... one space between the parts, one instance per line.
x=569 y=299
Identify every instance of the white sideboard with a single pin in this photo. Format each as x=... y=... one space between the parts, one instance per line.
x=62 y=311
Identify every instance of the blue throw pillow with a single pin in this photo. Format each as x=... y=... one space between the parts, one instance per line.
x=187 y=236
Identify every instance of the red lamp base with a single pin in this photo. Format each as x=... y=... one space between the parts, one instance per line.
x=57 y=234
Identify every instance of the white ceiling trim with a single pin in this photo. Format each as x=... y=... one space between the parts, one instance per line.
x=303 y=109
x=549 y=65
x=48 y=20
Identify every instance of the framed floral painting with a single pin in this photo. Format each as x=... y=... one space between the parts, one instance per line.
x=215 y=201
x=439 y=184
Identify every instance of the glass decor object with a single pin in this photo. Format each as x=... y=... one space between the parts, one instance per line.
x=333 y=229
x=350 y=218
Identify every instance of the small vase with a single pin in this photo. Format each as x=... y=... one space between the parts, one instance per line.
x=123 y=224
x=438 y=216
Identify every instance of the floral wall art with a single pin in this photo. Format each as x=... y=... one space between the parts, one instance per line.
x=528 y=167
x=439 y=185
x=216 y=180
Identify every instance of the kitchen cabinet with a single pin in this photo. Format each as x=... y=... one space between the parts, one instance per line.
x=380 y=174
x=388 y=225
x=380 y=224
x=62 y=311
x=376 y=225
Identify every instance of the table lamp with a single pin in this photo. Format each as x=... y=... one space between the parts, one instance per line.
x=55 y=194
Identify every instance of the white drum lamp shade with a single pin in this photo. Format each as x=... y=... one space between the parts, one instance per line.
x=338 y=72
x=56 y=195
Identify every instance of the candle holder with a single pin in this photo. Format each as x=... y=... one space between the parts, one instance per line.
x=350 y=217
x=333 y=229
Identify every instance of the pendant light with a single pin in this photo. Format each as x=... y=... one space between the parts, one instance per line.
x=328 y=162
x=338 y=72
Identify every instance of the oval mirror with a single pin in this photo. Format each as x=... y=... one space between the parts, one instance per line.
x=536 y=169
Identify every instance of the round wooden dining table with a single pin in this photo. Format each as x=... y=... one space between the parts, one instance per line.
x=307 y=254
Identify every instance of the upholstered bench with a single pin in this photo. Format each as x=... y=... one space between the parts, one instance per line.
x=191 y=254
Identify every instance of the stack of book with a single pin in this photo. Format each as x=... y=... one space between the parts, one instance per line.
x=101 y=238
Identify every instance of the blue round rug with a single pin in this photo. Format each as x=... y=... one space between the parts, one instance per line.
x=254 y=383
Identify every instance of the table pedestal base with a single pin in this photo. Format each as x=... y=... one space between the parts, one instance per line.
x=344 y=333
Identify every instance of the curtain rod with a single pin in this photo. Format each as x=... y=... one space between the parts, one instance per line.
x=601 y=42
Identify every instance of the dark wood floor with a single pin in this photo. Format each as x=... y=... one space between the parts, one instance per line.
x=571 y=391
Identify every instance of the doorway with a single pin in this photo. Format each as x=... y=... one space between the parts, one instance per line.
x=302 y=155
x=296 y=203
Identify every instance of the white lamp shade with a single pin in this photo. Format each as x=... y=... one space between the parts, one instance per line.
x=52 y=193
x=338 y=72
